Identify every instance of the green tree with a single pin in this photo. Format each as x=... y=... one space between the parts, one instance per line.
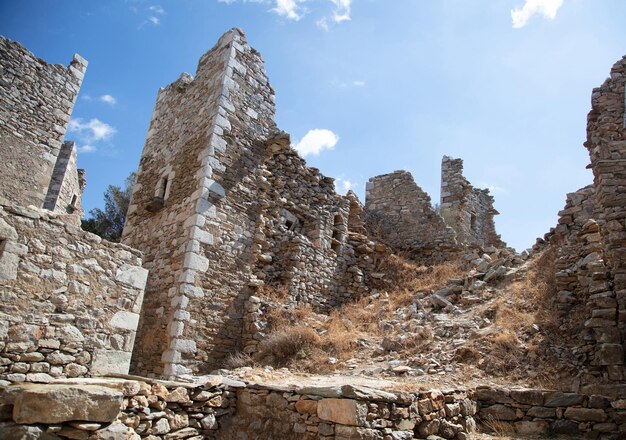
x=109 y=223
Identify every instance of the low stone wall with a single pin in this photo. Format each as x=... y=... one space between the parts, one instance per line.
x=350 y=412
x=537 y=412
x=219 y=408
x=101 y=409
x=70 y=301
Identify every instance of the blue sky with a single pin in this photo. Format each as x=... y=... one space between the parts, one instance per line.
x=389 y=84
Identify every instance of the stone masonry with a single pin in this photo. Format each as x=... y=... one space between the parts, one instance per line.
x=468 y=210
x=401 y=215
x=70 y=301
x=606 y=142
x=36 y=101
x=235 y=208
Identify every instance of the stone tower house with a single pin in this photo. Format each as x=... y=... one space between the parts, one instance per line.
x=198 y=148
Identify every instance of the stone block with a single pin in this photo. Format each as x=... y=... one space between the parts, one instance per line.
x=558 y=398
x=63 y=403
x=110 y=362
x=498 y=412
x=125 y=320
x=132 y=275
x=343 y=411
x=585 y=414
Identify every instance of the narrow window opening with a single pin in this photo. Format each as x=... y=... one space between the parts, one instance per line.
x=162 y=188
x=473 y=222
x=337 y=237
x=72 y=206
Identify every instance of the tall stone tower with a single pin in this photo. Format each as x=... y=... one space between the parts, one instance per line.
x=193 y=209
x=36 y=101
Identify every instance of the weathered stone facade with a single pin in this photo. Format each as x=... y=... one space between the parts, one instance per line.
x=70 y=300
x=224 y=409
x=236 y=208
x=401 y=214
x=468 y=210
x=36 y=101
x=606 y=142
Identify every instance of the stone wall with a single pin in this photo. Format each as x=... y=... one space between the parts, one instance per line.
x=541 y=412
x=399 y=213
x=235 y=208
x=468 y=210
x=70 y=301
x=36 y=100
x=67 y=184
x=217 y=408
x=606 y=142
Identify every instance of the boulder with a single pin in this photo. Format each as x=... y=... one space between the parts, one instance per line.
x=343 y=411
x=52 y=404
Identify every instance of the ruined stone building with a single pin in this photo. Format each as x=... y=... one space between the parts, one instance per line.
x=37 y=98
x=590 y=238
x=235 y=207
x=223 y=207
x=70 y=301
x=401 y=214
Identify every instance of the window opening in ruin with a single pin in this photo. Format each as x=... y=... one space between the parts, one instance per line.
x=72 y=206
x=162 y=188
x=337 y=235
x=473 y=222
x=291 y=222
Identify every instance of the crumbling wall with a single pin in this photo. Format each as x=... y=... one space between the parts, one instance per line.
x=401 y=214
x=468 y=210
x=70 y=301
x=606 y=143
x=195 y=185
x=235 y=208
x=36 y=100
x=67 y=184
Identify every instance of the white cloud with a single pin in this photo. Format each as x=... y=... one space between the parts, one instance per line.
x=547 y=8
x=108 y=99
x=345 y=84
x=322 y=23
x=157 y=9
x=86 y=149
x=342 y=185
x=288 y=9
x=92 y=131
x=342 y=10
x=86 y=97
x=315 y=141
x=154 y=20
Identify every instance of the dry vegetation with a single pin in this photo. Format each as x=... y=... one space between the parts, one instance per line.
x=520 y=343
x=304 y=340
x=517 y=334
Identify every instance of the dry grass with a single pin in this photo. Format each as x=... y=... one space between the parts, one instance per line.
x=524 y=324
x=284 y=347
x=498 y=427
x=407 y=278
x=303 y=340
